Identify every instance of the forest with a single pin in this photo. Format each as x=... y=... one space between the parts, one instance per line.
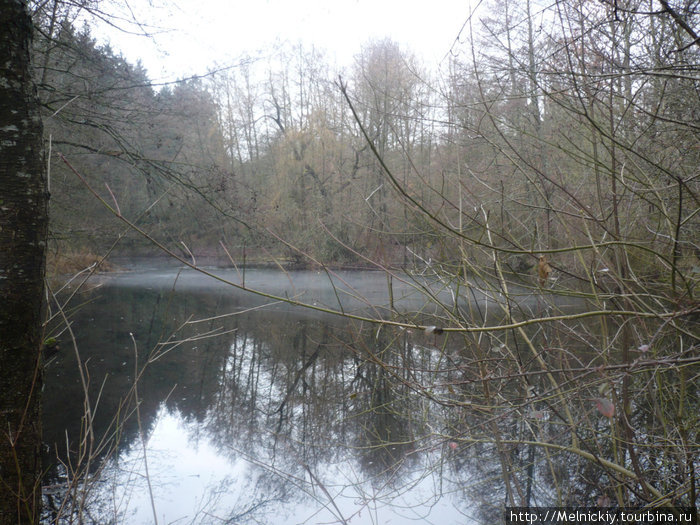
x=555 y=151
x=552 y=129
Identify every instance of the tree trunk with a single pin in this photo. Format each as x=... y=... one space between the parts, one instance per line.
x=23 y=223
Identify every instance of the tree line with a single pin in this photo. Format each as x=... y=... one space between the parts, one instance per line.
x=550 y=127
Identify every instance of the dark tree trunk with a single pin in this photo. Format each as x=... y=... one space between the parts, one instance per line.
x=23 y=223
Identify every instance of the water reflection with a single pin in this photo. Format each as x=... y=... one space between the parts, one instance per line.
x=270 y=414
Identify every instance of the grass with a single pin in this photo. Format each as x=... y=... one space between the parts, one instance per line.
x=72 y=262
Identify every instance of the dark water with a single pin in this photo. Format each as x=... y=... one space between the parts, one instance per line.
x=251 y=410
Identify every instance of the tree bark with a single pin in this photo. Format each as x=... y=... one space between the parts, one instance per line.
x=23 y=226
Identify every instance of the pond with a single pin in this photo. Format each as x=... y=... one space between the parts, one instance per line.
x=208 y=404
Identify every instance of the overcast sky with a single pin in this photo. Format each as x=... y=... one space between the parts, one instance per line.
x=191 y=36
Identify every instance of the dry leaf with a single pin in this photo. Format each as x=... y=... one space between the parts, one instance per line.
x=605 y=407
x=543 y=269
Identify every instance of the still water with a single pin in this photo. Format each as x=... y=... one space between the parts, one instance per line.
x=211 y=405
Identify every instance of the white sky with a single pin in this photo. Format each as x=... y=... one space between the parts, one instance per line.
x=194 y=35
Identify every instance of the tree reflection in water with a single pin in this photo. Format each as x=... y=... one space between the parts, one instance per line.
x=269 y=414
x=250 y=417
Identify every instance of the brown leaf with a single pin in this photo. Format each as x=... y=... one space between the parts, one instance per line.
x=543 y=269
x=605 y=407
